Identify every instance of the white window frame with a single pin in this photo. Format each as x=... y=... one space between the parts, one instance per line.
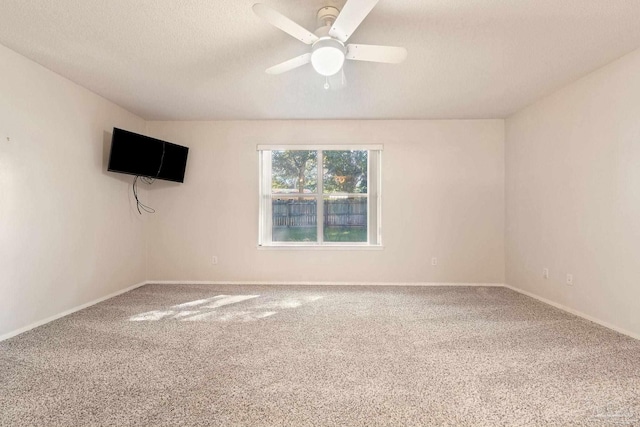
x=374 y=198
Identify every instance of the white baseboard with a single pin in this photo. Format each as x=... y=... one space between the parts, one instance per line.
x=575 y=312
x=67 y=312
x=270 y=283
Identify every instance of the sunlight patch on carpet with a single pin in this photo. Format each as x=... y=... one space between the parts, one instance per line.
x=205 y=310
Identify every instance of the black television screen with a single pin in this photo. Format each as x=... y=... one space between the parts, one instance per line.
x=136 y=154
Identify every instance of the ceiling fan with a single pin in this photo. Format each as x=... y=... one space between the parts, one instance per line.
x=328 y=48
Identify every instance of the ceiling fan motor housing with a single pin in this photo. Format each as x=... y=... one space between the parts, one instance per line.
x=327 y=16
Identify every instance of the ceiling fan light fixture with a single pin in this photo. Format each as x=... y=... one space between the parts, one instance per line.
x=327 y=56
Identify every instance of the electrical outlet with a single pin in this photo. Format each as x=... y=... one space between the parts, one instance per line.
x=214 y=260
x=569 y=279
x=434 y=261
x=545 y=273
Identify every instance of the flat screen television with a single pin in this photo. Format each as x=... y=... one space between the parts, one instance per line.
x=136 y=154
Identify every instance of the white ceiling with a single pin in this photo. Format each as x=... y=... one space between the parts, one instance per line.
x=205 y=60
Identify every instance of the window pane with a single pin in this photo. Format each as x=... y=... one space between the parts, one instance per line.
x=294 y=219
x=345 y=171
x=294 y=171
x=345 y=219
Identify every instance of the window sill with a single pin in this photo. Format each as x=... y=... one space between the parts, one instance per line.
x=320 y=247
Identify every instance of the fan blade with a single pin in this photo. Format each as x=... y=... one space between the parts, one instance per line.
x=280 y=21
x=296 y=62
x=351 y=15
x=373 y=53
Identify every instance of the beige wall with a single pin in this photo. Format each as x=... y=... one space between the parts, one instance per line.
x=573 y=195
x=443 y=191
x=68 y=234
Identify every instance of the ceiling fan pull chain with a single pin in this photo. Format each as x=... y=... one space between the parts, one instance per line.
x=326 y=83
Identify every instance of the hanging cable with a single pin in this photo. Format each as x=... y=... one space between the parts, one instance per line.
x=141 y=206
x=147 y=180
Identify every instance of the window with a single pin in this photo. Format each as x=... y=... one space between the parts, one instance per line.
x=320 y=196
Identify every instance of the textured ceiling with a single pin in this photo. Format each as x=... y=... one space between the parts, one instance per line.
x=199 y=60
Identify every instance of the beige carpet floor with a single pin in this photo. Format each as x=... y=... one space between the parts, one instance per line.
x=197 y=355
